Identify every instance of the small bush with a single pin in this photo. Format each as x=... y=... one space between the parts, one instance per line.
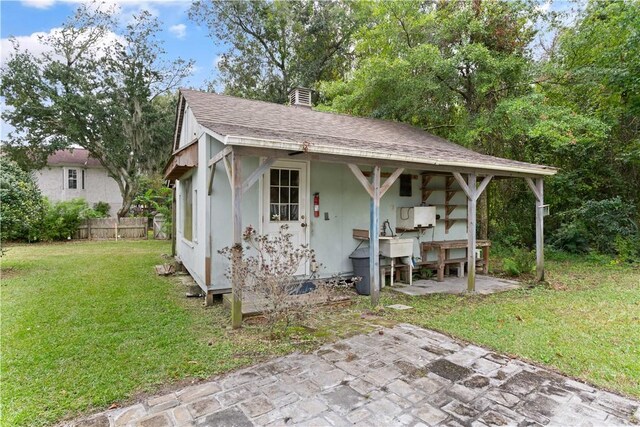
x=571 y=237
x=596 y=225
x=102 y=209
x=64 y=218
x=522 y=261
x=267 y=269
x=628 y=249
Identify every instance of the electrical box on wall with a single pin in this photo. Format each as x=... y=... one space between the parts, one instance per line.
x=416 y=217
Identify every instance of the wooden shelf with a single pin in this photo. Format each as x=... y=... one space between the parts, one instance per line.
x=407 y=230
x=449 y=191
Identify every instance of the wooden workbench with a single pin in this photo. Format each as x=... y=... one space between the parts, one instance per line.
x=444 y=247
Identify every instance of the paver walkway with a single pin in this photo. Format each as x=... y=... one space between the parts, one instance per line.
x=401 y=376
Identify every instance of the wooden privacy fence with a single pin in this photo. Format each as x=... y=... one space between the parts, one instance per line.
x=112 y=228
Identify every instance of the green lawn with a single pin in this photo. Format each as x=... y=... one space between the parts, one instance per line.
x=88 y=324
x=585 y=322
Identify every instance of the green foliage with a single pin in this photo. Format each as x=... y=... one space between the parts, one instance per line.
x=153 y=198
x=22 y=207
x=522 y=261
x=275 y=45
x=627 y=248
x=102 y=209
x=571 y=237
x=598 y=225
x=465 y=71
x=63 y=218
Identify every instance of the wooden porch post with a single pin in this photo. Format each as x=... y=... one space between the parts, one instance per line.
x=473 y=192
x=538 y=191
x=376 y=191
x=471 y=234
x=236 y=203
x=374 y=237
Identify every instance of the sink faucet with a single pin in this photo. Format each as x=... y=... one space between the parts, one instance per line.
x=386 y=225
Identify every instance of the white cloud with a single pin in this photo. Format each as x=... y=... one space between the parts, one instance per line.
x=33 y=43
x=38 y=4
x=179 y=30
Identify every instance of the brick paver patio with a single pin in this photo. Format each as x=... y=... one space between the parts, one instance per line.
x=405 y=376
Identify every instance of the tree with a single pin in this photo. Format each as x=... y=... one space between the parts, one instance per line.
x=101 y=87
x=22 y=207
x=443 y=66
x=276 y=45
x=596 y=72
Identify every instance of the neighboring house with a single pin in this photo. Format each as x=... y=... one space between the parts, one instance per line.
x=278 y=157
x=73 y=173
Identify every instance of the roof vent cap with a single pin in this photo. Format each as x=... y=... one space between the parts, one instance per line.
x=300 y=97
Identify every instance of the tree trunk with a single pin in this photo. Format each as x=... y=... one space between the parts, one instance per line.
x=483 y=215
x=127 y=201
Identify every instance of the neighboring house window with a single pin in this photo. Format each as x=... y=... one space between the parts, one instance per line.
x=72 y=182
x=187 y=209
x=83 y=179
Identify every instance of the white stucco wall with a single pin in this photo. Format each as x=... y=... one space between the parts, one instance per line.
x=98 y=186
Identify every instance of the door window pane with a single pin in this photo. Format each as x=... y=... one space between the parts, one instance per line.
x=284 y=195
x=284 y=177
x=275 y=192
x=274 y=213
x=275 y=176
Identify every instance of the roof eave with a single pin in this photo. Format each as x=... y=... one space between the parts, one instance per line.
x=353 y=152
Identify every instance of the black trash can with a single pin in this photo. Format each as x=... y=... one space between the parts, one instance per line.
x=360 y=260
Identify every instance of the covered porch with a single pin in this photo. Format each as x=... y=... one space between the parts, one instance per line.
x=377 y=172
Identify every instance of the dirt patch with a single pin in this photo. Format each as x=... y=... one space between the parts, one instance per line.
x=9 y=273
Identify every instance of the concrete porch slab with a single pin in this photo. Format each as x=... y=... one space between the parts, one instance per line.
x=456 y=285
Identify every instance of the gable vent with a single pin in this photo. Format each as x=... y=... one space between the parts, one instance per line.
x=300 y=96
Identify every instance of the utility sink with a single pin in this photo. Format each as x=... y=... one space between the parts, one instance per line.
x=393 y=247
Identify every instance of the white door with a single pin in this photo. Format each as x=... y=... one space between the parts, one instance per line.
x=285 y=201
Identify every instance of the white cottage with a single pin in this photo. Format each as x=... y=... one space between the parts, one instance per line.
x=238 y=162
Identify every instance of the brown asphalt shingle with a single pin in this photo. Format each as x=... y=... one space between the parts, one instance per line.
x=231 y=116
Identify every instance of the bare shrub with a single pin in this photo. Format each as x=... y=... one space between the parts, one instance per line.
x=266 y=273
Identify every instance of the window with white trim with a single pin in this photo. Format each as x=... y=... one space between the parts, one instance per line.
x=72 y=179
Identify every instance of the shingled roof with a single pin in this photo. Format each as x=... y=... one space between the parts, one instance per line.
x=72 y=157
x=239 y=121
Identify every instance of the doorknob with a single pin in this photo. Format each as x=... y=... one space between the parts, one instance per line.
x=304 y=224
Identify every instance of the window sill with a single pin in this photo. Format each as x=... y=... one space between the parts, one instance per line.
x=188 y=243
